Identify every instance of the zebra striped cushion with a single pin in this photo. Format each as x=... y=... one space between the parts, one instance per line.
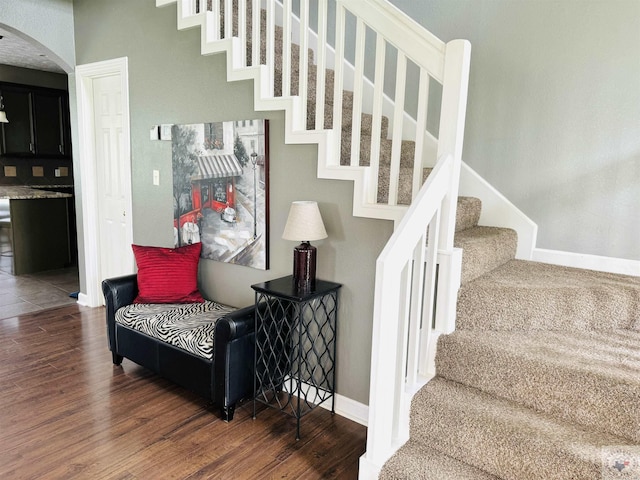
x=189 y=326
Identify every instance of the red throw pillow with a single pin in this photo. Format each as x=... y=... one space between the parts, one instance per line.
x=168 y=275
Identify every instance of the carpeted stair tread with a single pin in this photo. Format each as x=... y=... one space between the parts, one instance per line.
x=590 y=378
x=417 y=462
x=525 y=295
x=503 y=438
x=484 y=249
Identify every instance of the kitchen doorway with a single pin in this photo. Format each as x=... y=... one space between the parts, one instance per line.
x=104 y=147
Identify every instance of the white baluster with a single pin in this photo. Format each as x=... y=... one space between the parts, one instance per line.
x=415 y=320
x=398 y=117
x=286 y=48
x=321 y=63
x=304 y=61
x=376 y=129
x=215 y=24
x=339 y=77
x=429 y=292
x=255 y=33
x=271 y=41
x=356 y=128
x=228 y=18
x=242 y=29
x=421 y=129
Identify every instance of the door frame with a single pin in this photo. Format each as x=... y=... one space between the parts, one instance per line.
x=85 y=75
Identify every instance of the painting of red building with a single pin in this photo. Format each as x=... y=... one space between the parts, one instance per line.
x=220 y=188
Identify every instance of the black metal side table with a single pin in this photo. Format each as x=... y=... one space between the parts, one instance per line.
x=295 y=346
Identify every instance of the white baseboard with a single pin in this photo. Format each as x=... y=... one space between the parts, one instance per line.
x=590 y=262
x=344 y=406
x=83 y=300
x=348 y=408
x=367 y=469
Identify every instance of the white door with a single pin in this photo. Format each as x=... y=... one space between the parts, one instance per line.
x=111 y=166
x=103 y=159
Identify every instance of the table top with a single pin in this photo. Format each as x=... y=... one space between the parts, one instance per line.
x=285 y=287
x=19 y=192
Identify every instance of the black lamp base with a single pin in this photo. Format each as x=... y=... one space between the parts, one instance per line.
x=304 y=267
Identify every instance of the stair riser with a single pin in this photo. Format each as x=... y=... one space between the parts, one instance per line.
x=366 y=120
x=548 y=382
x=502 y=440
x=505 y=302
x=404 y=184
x=468 y=213
x=484 y=249
x=407 y=151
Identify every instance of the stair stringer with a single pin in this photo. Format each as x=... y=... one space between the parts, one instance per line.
x=328 y=166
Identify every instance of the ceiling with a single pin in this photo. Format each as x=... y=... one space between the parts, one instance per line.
x=18 y=52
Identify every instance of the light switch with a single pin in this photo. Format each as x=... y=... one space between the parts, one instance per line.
x=156 y=177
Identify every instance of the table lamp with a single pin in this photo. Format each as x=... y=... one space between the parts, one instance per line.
x=304 y=224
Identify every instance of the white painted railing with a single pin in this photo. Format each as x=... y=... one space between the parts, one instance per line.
x=404 y=319
x=418 y=273
x=419 y=260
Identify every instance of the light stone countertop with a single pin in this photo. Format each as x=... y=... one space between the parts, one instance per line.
x=18 y=192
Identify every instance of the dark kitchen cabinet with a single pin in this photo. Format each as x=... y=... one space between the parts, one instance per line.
x=38 y=122
x=18 y=133
x=48 y=123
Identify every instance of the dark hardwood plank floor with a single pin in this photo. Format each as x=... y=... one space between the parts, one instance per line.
x=66 y=412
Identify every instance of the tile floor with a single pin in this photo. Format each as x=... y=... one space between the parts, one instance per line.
x=38 y=291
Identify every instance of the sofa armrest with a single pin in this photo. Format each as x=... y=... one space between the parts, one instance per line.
x=236 y=324
x=118 y=292
x=234 y=356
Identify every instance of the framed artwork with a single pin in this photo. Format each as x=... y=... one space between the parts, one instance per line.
x=221 y=190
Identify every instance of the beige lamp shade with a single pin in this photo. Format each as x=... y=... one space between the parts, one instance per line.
x=304 y=222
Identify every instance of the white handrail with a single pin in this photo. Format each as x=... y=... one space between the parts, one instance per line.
x=421 y=46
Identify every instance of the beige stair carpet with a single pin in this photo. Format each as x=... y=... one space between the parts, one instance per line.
x=541 y=379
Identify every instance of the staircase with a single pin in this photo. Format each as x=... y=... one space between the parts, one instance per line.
x=540 y=379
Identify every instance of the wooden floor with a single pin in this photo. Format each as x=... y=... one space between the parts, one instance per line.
x=67 y=413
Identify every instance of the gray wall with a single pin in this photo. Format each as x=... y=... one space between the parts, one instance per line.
x=553 y=118
x=48 y=22
x=170 y=82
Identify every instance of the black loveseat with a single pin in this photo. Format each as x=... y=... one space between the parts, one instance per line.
x=223 y=379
